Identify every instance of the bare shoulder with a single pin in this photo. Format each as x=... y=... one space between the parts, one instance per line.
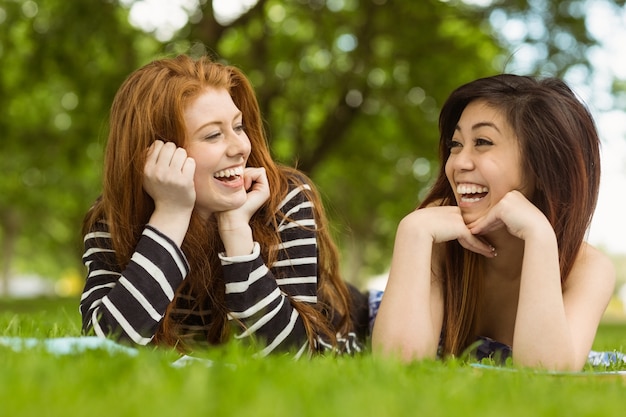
x=593 y=265
x=594 y=258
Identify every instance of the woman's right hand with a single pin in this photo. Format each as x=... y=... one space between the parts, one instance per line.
x=445 y=223
x=168 y=179
x=168 y=176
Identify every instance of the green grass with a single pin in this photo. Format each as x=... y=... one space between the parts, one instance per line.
x=96 y=383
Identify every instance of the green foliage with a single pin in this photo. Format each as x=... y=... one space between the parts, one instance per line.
x=61 y=65
x=350 y=91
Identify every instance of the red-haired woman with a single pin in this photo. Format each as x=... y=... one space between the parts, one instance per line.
x=199 y=235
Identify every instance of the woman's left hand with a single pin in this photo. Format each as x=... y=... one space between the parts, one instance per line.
x=258 y=191
x=258 y=188
x=514 y=212
x=234 y=225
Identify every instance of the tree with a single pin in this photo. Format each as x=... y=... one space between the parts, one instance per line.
x=350 y=90
x=61 y=65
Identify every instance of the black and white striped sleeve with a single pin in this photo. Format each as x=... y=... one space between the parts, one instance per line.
x=261 y=296
x=129 y=303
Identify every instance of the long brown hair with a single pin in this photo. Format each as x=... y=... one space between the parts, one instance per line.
x=149 y=106
x=561 y=154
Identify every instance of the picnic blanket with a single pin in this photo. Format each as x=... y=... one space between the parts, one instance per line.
x=73 y=345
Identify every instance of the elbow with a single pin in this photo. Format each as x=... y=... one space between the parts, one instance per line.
x=405 y=353
x=101 y=325
x=402 y=348
x=553 y=363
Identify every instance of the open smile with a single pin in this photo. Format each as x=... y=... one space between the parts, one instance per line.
x=229 y=175
x=471 y=193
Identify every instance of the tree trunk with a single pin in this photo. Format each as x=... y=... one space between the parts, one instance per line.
x=10 y=227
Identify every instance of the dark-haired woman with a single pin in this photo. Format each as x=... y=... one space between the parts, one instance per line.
x=494 y=262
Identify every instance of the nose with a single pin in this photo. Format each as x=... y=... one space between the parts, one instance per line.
x=238 y=144
x=461 y=159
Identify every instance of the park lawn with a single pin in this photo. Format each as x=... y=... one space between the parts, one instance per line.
x=35 y=382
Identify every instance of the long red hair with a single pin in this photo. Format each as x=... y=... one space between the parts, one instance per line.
x=149 y=106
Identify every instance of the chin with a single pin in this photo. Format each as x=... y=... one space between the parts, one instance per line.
x=235 y=201
x=222 y=203
x=469 y=217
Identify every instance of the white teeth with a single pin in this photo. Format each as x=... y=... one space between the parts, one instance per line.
x=470 y=200
x=470 y=189
x=232 y=172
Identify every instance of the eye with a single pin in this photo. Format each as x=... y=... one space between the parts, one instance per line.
x=452 y=144
x=482 y=142
x=213 y=135
x=240 y=127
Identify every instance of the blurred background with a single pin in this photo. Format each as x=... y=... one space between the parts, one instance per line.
x=350 y=91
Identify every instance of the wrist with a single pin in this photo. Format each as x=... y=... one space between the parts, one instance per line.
x=237 y=239
x=414 y=227
x=172 y=212
x=172 y=224
x=540 y=233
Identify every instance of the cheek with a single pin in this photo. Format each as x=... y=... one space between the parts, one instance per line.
x=203 y=175
x=449 y=171
x=528 y=187
x=517 y=179
x=247 y=146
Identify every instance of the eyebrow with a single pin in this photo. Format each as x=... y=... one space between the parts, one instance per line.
x=479 y=125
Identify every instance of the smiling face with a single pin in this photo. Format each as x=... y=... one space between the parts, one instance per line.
x=218 y=143
x=485 y=160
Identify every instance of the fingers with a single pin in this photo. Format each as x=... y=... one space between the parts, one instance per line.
x=486 y=224
x=257 y=186
x=153 y=152
x=256 y=176
x=166 y=154
x=168 y=175
x=444 y=224
x=258 y=191
x=177 y=159
x=164 y=158
x=514 y=213
x=474 y=244
x=189 y=167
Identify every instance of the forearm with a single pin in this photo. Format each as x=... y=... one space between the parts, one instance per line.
x=254 y=299
x=173 y=224
x=236 y=237
x=405 y=324
x=542 y=335
x=263 y=297
x=130 y=303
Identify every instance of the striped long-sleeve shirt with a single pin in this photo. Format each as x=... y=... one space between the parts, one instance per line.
x=130 y=302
